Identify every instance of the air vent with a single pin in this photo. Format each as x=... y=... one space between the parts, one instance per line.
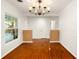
x=19 y=0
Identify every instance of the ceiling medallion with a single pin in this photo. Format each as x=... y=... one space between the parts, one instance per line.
x=39 y=9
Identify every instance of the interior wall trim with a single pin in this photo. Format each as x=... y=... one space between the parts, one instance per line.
x=27 y=41
x=32 y=42
x=11 y=50
x=68 y=50
x=54 y=41
x=39 y=39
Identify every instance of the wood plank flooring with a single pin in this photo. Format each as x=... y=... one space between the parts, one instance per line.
x=39 y=49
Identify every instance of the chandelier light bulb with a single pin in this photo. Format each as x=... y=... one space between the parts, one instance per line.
x=48 y=8
x=30 y=8
x=35 y=11
x=43 y=11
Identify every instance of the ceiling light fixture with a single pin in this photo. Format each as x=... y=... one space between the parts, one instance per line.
x=39 y=8
x=19 y=0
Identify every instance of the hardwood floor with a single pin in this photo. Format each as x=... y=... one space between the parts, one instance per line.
x=39 y=49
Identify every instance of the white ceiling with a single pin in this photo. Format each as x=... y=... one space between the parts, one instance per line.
x=55 y=5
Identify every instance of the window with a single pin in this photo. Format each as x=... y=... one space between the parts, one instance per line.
x=11 y=28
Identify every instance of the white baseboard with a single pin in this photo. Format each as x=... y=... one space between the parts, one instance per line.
x=11 y=50
x=68 y=50
x=27 y=41
x=32 y=41
x=54 y=41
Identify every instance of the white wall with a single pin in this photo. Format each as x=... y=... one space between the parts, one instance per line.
x=40 y=26
x=8 y=8
x=53 y=24
x=68 y=27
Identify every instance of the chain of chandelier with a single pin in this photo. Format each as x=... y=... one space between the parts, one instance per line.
x=39 y=9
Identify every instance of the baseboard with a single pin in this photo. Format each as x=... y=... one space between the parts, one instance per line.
x=54 y=41
x=40 y=38
x=68 y=50
x=27 y=41
x=11 y=50
x=32 y=41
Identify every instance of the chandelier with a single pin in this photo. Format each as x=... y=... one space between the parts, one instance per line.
x=39 y=8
